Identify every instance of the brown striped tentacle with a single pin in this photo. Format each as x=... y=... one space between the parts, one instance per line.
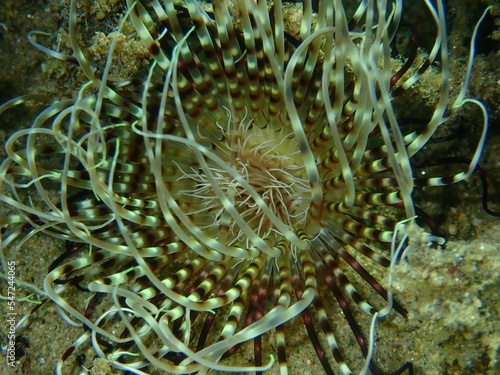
x=257 y=170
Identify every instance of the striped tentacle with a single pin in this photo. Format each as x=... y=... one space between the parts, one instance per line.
x=240 y=185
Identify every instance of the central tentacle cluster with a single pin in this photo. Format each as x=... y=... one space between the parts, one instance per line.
x=270 y=163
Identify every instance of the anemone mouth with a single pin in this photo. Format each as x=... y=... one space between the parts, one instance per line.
x=269 y=161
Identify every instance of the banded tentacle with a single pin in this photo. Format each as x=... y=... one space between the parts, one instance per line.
x=247 y=180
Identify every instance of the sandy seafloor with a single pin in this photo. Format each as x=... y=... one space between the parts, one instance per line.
x=452 y=293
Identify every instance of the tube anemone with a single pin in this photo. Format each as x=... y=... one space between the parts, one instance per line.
x=257 y=171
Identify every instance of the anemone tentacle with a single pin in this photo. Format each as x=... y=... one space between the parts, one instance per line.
x=246 y=181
